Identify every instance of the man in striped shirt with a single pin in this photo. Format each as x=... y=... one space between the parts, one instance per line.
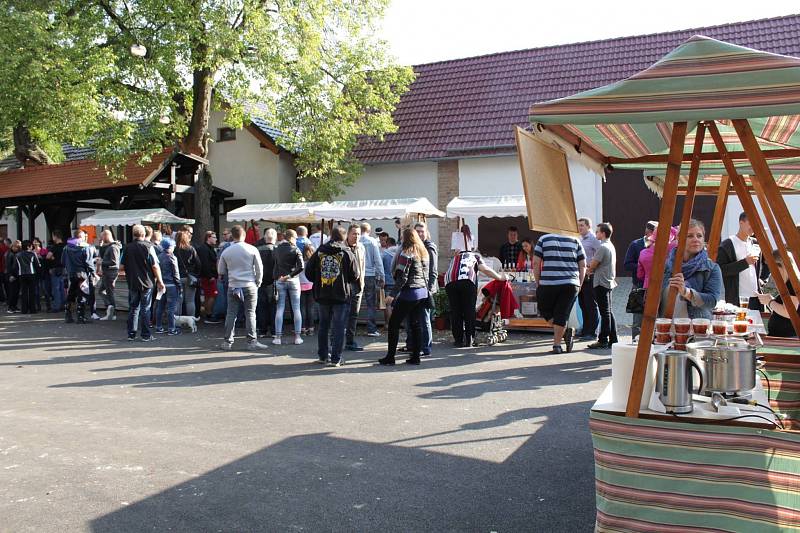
x=559 y=266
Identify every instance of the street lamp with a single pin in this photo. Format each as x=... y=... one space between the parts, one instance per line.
x=138 y=50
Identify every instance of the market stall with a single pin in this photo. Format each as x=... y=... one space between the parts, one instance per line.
x=402 y=208
x=522 y=283
x=289 y=213
x=706 y=104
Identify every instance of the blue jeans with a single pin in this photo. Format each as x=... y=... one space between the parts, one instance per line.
x=370 y=299
x=169 y=302
x=221 y=303
x=59 y=293
x=332 y=318
x=139 y=302
x=292 y=288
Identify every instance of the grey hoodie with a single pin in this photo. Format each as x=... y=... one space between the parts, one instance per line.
x=241 y=264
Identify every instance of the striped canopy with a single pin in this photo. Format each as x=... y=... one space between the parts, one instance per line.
x=702 y=79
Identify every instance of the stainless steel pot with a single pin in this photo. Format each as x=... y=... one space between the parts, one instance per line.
x=729 y=364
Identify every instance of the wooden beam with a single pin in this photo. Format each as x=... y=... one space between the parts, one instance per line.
x=758 y=228
x=265 y=141
x=653 y=297
x=688 y=207
x=715 y=234
x=707 y=156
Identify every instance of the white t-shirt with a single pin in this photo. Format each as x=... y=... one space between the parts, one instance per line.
x=748 y=279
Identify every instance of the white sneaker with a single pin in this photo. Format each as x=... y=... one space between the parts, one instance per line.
x=298 y=340
x=95 y=316
x=255 y=345
x=226 y=346
x=373 y=334
x=276 y=340
x=110 y=314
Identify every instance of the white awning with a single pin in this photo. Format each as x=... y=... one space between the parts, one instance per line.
x=378 y=209
x=286 y=212
x=129 y=217
x=487 y=206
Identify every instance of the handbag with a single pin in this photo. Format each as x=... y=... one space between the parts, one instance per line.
x=193 y=281
x=635 y=303
x=381 y=299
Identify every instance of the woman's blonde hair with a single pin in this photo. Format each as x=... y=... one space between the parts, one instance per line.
x=308 y=251
x=413 y=245
x=182 y=239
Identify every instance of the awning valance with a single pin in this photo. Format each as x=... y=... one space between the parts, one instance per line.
x=295 y=212
x=487 y=206
x=378 y=209
x=129 y=217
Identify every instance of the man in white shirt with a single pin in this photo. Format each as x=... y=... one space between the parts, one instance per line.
x=738 y=258
x=317 y=238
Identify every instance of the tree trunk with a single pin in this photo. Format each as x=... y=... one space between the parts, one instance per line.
x=26 y=150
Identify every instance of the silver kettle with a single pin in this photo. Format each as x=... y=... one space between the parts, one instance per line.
x=674 y=380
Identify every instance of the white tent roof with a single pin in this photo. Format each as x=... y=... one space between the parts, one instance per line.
x=129 y=217
x=286 y=212
x=377 y=209
x=487 y=206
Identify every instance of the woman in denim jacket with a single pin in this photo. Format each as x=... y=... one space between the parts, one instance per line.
x=699 y=283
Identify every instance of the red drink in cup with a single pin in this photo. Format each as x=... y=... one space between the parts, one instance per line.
x=719 y=327
x=681 y=338
x=740 y=326
x=682 y=325
x=700 y=326
x=663 y=325
x=663 y=338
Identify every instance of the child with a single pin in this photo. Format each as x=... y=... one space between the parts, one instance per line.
x=171 y=298
x=307 y=294
x=29 y=267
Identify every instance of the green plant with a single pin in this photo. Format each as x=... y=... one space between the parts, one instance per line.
x=441 y=304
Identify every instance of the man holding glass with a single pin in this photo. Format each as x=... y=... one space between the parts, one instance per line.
x=739 y=259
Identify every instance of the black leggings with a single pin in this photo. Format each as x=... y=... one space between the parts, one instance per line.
x=27 y=283
x=400 y=310
x=463 y=295
x=13 y=293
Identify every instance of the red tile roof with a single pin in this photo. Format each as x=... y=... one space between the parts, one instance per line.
x=71 y=177
x=469 y=106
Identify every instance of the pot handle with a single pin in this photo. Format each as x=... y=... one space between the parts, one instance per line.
x=700 y=372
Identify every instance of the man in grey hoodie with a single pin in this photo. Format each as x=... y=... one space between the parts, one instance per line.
x=240 y=263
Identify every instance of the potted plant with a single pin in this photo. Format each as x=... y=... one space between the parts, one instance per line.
x=441 y=310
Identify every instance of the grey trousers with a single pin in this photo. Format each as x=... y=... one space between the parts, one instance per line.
x=250 y=302
x=109 y=284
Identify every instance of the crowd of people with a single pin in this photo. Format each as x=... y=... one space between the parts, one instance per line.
x=254 y=277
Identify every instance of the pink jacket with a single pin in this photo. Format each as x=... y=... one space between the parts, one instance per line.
x=646 y=256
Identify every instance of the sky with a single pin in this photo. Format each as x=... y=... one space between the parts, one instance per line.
x=423 y=31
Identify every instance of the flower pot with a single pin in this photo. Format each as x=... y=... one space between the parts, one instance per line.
x=440 y=323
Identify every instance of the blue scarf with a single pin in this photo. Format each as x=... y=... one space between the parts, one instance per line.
x=690 y=268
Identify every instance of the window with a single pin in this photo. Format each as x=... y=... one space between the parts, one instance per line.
x=226 y=134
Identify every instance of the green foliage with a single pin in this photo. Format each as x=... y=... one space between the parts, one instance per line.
x=441 y=304
x=315 y=66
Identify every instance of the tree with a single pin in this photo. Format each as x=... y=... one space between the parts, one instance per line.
x=315 y=67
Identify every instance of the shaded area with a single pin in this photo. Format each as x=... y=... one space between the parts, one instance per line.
x=320 y=482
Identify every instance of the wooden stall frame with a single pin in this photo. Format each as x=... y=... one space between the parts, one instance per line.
x=715 y=234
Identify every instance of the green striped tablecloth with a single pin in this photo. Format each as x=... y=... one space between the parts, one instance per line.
x=781 y=380
x=665 y=476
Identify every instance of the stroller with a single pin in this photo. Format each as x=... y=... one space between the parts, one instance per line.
x=489 y=318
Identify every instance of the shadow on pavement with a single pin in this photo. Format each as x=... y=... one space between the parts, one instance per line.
x=318 y=482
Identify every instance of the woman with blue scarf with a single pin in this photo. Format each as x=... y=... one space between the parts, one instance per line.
x=699 y=283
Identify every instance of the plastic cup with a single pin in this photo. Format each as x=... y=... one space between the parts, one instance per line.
x=719 y=327
x=683 y=325
x=700 y=326
x=679 y=347
x=663 y=338
x=663 y=325
x=740 y=326
x=681 y=338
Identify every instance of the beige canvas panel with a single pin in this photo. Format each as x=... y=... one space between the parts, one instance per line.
x=547 y=186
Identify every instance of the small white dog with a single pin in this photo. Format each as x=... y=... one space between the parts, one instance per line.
x=186 y=321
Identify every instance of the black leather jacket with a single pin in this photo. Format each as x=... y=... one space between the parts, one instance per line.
x=410 y=272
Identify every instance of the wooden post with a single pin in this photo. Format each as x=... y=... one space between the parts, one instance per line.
x=758 y=227
x=715 y=234
x=688 y=207
x=653 y=297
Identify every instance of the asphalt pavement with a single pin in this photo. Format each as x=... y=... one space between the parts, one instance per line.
x=99 y=434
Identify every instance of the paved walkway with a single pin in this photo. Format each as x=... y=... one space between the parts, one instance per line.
x=98 y=434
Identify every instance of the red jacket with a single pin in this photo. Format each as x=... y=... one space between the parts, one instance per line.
x=251 y=237
x=3 y=251
x=508 y=303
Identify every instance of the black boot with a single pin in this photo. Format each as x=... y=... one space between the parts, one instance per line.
x=413 y=360
x=68 y=318
x=81 y=314
x=386 y=361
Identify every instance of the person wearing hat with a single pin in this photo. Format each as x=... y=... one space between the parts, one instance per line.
x=632 y=265
x=170 y=274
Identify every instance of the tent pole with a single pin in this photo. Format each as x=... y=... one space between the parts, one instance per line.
x=770 y=188
x=688 y=207
x=653 y=297
x=715 y=234
x=758 y=227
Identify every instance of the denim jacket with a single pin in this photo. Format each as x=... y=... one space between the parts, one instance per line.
x=707 y=279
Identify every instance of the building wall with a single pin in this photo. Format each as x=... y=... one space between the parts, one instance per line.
x=251 y=172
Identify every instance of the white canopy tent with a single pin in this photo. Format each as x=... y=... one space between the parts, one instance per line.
x=487 y=206
x=378 y=209
x=286 y=212
x=129 y=217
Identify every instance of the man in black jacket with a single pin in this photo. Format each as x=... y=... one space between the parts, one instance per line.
x=332 y=269
x=267 y=295
x=740 y=265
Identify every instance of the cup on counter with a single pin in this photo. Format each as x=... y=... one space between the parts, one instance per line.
x=679 y=347
x=700 y=326
x=681 y=338
x=719 y=327
x=740 y=326
x=682 y=325
x=663 y=325
x=662 y=338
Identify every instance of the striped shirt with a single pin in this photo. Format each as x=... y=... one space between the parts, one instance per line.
x=464 y=265
x=560 y=256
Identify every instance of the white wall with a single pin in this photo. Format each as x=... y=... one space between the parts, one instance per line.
x=490 y=176
x=734 y=208
x=402 y=180
x=244 y=168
